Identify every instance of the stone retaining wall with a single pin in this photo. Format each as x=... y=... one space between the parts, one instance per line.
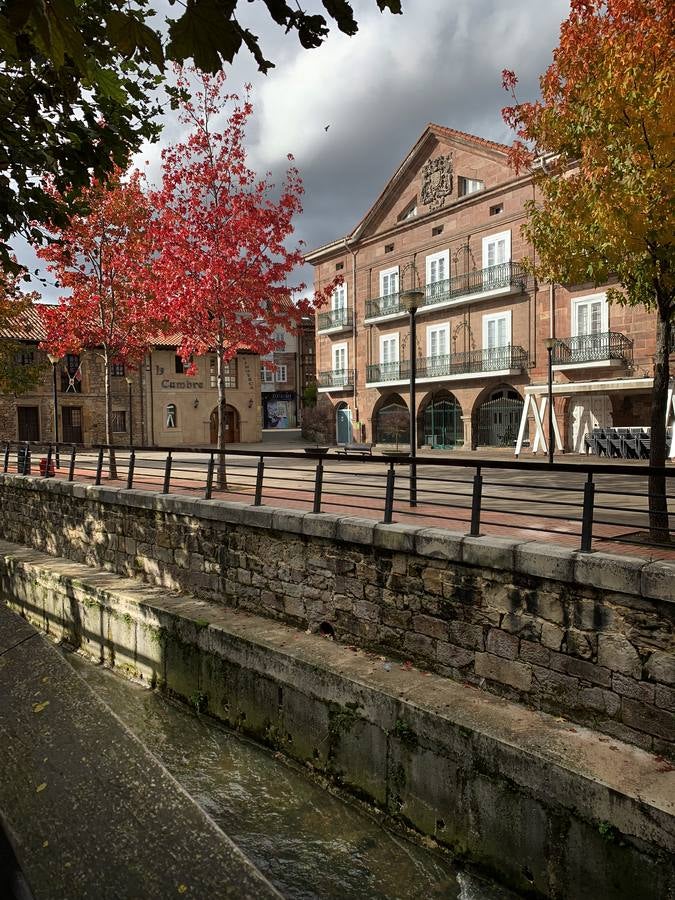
x=590 y=637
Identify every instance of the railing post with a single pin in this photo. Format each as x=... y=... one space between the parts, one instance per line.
x=476 y=503
x=49 y=460
x=318 y=485
x=209 y=478
x=167 y=474
x=5 y=462
x=99 y=466
x=71 y=467
x=130 y=470
x=587 y=517
x=389 y=495
x=26 y=460
x=260 y=474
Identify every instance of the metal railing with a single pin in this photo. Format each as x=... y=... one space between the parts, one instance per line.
x=335 y=318
x=494 y=359
x=584 y=506
x=478 y=281
x=583 y=348
x=336 y=378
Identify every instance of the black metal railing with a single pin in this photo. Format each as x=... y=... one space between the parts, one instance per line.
x=495 y=359
x=335 y=318
x=336 y=378
x=582 y=505
x=583 y=348
x=504 y=275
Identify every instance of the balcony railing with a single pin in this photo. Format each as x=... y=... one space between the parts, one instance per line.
x=335 y=318
x=586 y=348
x=496 y=359
x=336 y=378
x=504 y=275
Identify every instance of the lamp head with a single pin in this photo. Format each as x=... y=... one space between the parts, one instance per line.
x=550 y=343
x=129 y=380
x=53 y=358
x=411 y=300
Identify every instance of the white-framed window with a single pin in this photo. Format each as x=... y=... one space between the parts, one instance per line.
x=497 y=330
x=496 y=249
x=281 y=373
x=266 y=375
x=339 y=299
x=389 y=359
x=590 y=315
x=389 y=287
x=340 y=358
x=438 y=267
x=468 y=185
x=438 y=340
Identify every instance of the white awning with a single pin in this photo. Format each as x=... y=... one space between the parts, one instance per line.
x=588 y=387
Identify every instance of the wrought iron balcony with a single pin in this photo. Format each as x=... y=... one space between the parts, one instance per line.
x=496 y=359
x=335 y=318
x=480 y=281
x=338 y=379
x=384 y=306
x=604 y=346
x=504 y=275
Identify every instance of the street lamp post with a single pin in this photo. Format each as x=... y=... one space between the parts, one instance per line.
x=550 y=344
x=53 y=359
x=412 y=300
x=129 y=382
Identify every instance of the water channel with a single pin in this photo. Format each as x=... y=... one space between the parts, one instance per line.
x=309 y=843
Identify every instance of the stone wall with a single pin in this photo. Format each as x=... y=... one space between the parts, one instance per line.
x=590 y=637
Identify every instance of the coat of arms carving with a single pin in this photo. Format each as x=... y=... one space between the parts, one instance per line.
x=436 y=181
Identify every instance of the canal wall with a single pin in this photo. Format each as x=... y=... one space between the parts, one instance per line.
x=551 y=809
x=587 y=636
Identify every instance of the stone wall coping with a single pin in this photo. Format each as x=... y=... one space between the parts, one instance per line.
x=630 y=575
x=602 y=779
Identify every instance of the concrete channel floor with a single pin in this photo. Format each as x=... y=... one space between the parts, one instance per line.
x=88 y=811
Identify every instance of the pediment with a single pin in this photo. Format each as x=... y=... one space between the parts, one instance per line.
x=428 y=179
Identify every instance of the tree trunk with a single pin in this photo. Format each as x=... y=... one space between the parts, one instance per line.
x=112 y=465
x=658 y=502
x=221 y=471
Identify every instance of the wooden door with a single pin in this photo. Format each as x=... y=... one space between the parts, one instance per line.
x=72 y=424
x=29 y=423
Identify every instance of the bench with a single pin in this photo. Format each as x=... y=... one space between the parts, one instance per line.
x=355 y=450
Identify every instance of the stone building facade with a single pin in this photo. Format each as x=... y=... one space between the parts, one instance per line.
x=284 y=375
x=449 y=223
x=153 y=404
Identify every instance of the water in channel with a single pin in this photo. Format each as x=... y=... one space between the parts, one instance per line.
x=307 y=842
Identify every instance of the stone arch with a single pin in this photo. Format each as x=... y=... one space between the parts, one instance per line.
x=232 y=425
x=496 y=416
x=389 y=425
x=440 y=421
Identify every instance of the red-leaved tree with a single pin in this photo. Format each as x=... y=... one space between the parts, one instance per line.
x=223 y=239
x=101 y=259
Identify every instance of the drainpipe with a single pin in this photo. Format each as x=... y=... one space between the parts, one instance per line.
x=353 y=255
x=152 y=403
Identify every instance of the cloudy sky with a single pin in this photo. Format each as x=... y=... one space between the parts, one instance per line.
x=441 y=61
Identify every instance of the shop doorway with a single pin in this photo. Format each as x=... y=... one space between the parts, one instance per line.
x=72 y=425
x=29 y=423
x=231 y=425
x=343 y=424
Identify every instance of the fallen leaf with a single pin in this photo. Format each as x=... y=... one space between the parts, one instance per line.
x=45 y=844
x=40 y=787
x=38 y=707
x=182 y=888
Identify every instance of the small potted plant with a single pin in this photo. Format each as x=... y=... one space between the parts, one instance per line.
x=315 y=427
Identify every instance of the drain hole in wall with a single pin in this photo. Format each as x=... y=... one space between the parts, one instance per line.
x=527 y=874
x=327 y=630
x=440 y=825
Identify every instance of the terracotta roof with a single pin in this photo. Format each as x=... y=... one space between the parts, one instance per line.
x=27 y=327
x=482 y=142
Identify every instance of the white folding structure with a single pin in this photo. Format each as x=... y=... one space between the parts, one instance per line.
x=539 y=435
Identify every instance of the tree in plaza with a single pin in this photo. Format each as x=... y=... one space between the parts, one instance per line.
x=15 y=378
x=222 y=240
x=77 y=80
x=101 y=259
x=600 y=145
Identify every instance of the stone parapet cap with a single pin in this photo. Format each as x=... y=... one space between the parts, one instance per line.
x=635 y=576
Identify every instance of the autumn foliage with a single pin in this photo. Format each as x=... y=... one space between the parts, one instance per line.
x=600 y=144
x=223 y=237
x=15 y=378
x=101 y=261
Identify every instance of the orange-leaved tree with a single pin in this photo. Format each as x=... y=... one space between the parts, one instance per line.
x=101 y=260
x=599 y=142
x=223 y=240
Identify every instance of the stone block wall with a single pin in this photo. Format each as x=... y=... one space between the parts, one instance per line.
x=589 y=637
